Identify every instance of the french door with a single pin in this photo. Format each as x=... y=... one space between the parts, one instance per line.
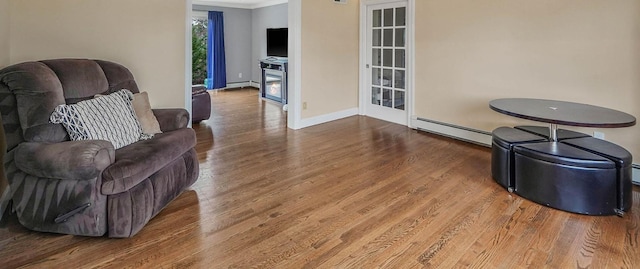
x=386 y=89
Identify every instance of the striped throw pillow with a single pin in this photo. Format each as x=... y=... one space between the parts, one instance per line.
x=110 y=118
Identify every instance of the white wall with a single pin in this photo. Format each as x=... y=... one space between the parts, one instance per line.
x=4 y=33
x=147 y=36
x=237 y=39
x=262 y=18
x=469 y=52
x=330 y=57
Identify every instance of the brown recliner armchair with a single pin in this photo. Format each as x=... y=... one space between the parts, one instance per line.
x=201 y=104
x=86 y=187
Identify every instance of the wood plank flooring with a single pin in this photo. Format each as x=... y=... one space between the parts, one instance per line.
x=354 y=193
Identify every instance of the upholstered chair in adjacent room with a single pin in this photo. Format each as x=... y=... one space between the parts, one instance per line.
x=200 y=104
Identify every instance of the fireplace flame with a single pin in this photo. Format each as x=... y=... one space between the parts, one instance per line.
x=274 y=89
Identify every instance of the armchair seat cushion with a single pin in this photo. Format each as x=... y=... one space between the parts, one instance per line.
x=138 y=161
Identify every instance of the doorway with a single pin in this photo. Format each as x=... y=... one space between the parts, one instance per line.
x=386 y=88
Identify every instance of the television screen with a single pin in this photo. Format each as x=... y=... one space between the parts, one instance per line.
x=277 y=41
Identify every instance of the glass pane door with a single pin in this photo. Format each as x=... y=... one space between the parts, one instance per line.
x=388 y=62
x=387 y=59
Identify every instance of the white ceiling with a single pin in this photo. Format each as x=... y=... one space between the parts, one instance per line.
x=249 y=4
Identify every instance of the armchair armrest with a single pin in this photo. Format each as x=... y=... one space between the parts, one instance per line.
x=171 y=118
x=78 y=160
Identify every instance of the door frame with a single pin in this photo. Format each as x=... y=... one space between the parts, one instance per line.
x=410 y=43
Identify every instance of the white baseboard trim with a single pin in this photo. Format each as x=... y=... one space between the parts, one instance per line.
x=328 y=117
x=636 y=174
x=453 y=131
x=234 y=85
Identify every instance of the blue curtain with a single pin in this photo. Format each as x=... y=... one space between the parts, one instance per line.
x=216 y=67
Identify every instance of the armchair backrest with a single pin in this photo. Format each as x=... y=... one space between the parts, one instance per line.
x=30 y=91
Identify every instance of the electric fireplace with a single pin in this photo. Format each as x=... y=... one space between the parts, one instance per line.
x=274 y=80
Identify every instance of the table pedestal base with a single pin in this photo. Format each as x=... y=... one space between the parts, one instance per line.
x=561 y=134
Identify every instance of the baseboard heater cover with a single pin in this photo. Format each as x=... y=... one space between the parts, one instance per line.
x=453 y=131
x=476 y=137
x=254 y=84
x=240 y=84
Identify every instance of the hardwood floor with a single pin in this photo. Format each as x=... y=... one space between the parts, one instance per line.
x=354 y=193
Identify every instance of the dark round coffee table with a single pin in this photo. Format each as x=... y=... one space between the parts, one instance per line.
x=562 y=113
x=578 y=174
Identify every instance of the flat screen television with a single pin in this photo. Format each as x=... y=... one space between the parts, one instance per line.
x=277 y=42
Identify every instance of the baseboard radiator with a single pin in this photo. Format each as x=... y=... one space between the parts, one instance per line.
x=475 y=136
x=242 y=84
x=453 y=131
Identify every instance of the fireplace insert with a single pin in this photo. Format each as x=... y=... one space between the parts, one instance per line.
x=274 y=80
